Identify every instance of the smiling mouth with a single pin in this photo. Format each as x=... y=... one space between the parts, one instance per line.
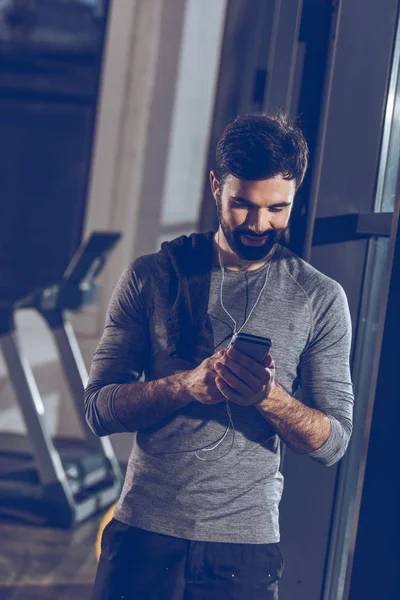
x=251 y=240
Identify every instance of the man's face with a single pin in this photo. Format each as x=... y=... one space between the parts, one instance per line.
x=253 y=215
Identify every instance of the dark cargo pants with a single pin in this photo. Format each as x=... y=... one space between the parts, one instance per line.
x=136 y=564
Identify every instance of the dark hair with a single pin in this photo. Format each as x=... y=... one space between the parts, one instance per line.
x=259 y=146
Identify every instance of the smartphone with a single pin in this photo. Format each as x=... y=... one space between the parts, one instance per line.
x=255 y=346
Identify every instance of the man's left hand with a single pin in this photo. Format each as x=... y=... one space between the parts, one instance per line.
x=243 y=380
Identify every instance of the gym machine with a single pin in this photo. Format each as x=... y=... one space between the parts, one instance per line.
x=44 y=480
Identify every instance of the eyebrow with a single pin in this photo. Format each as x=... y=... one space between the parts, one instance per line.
x=249 y=203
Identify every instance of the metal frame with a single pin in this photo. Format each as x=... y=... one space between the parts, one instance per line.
x=349 y=492
x=319 y=154
x=374 y=541
x=77 y=377
x=357 y=226
x=377 y=285
x=54 y=497
x=47 y=458
x=284 y=42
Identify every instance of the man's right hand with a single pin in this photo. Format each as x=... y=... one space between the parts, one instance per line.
x=199 y=383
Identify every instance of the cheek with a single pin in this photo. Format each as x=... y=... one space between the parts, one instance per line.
x=281 y=221
x=237 y=217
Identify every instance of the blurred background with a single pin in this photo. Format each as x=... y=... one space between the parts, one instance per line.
x=109 y=116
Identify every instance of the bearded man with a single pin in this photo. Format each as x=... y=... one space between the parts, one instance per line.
x=198 y=517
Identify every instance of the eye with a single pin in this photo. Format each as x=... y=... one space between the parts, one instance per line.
x=275 y=209
x=238 y=204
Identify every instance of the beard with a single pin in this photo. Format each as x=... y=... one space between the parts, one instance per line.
x=252 y=253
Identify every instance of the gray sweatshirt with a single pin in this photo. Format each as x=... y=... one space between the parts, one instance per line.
x=230 y=493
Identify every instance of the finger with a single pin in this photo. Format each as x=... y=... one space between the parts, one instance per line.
x=234 y=381
x=268 y=361
x=270 y=369
x=271 y=373
x=243 y=374
x=216 y=356
x=227 y=391
x=250 y=364
x=246 y=361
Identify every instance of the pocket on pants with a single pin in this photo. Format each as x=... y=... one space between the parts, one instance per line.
x=114 y=535
x=255 y=564
x=274 y=564
x=266 y=562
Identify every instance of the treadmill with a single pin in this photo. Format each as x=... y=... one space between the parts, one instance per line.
x=46 y=481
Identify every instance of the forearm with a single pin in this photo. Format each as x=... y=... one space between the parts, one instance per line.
x=132 y=406
x=143 y=404
x=302 y=428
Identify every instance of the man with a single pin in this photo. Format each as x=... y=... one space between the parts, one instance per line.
x=198 y=515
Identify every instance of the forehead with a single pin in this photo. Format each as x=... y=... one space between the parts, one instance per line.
x=274 y=189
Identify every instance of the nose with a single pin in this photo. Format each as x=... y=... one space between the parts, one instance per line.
x=258 y=220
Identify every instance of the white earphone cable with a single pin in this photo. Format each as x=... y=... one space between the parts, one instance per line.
x=235 y=334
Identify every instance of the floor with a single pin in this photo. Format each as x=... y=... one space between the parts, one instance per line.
x=43 y=563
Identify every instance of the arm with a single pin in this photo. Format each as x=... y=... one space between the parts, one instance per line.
x=324 y=373
x=302 y=428
x=133 y=406
x=115 y=401
x=140 y=405
x=121 y=356
x=321 y=424
x=248 y=383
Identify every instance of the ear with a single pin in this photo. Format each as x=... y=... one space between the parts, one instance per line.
x=215 y=186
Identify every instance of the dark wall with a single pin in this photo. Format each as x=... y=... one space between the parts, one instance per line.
x=50 y=66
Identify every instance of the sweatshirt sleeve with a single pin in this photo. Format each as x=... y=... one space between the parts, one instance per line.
x=325 y=378
x=121 y=354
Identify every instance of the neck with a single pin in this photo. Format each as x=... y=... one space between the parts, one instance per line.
x=232 y=261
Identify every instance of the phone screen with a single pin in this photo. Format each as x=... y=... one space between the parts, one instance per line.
x=256 y=347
